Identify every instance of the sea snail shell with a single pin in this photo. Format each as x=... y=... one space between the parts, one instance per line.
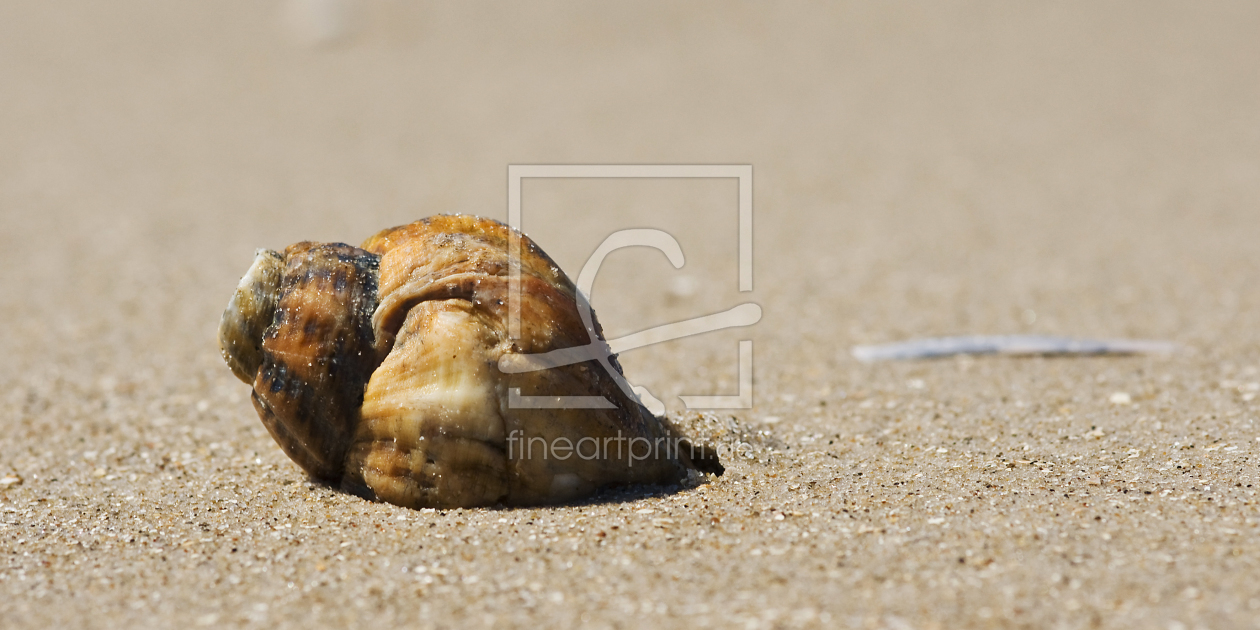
x=376 y=369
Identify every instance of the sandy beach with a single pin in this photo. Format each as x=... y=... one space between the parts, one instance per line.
x=1086 y=170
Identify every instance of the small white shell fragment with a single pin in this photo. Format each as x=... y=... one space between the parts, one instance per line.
x=1007 y=344
x=1121 y=398
x=8 y=481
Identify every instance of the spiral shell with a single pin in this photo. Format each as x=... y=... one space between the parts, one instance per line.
x=377 y=368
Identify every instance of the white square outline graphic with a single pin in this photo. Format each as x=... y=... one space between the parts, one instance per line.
x=741 y=172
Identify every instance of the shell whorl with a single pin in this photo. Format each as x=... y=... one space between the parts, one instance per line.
x=249 y=314
x=318 y=354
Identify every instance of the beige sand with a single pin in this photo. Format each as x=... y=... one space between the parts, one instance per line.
x=919 y=170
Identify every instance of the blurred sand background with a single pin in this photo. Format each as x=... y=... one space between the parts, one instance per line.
x=1086 y=169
